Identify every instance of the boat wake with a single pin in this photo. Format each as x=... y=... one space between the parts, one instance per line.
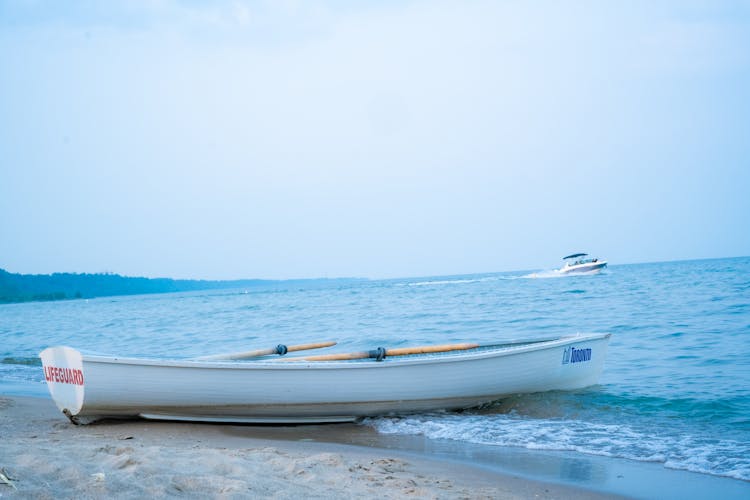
x=553 y=273
x=453 y=281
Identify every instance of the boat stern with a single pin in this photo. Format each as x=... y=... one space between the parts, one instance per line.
x=63 y=371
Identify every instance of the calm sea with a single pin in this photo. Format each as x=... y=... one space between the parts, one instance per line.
x=675 y=389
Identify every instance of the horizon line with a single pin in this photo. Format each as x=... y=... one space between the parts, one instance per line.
x=104 y=273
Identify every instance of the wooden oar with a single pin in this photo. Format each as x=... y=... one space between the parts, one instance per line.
x=381 y=353
x=280 y=349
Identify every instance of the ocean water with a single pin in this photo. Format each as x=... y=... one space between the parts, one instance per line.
x=675 y=389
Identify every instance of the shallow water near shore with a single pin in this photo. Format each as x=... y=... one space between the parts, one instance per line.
x=675 y=389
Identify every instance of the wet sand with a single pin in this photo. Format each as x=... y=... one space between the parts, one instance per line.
x=43 y=455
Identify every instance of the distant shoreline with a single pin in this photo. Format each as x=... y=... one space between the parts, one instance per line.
x=17 y=288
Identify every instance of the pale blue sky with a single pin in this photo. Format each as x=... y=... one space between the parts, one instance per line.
x=307 y=139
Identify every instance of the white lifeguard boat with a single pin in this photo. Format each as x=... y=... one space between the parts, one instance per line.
x=328 y=388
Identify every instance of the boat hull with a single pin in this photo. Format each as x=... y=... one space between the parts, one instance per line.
x=589 y=268
x=304 y=391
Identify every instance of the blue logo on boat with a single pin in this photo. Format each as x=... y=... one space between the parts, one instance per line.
x=573 y=355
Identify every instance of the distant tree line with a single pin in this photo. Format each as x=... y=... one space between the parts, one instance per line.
x=62 y=286
x=59 y=286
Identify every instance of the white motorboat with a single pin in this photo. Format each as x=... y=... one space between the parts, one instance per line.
x=329 y=388
x=580 y=263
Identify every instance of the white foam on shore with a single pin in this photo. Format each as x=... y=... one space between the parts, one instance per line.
x=726 y=457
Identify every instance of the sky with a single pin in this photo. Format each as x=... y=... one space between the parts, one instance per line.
x=284 y=139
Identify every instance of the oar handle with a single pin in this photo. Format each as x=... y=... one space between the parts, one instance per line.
x=402 y=351
x=280 y=349
x=314 y=345
x=381 y=353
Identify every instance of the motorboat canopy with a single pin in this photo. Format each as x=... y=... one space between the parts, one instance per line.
x=575 y=255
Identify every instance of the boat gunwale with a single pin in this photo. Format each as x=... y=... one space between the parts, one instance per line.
x=396 y=361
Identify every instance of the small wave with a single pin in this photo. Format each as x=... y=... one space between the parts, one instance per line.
x=24 y=372
x=27 y=361
x=720 y=457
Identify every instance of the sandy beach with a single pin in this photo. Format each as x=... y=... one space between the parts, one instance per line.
x=44 y=456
